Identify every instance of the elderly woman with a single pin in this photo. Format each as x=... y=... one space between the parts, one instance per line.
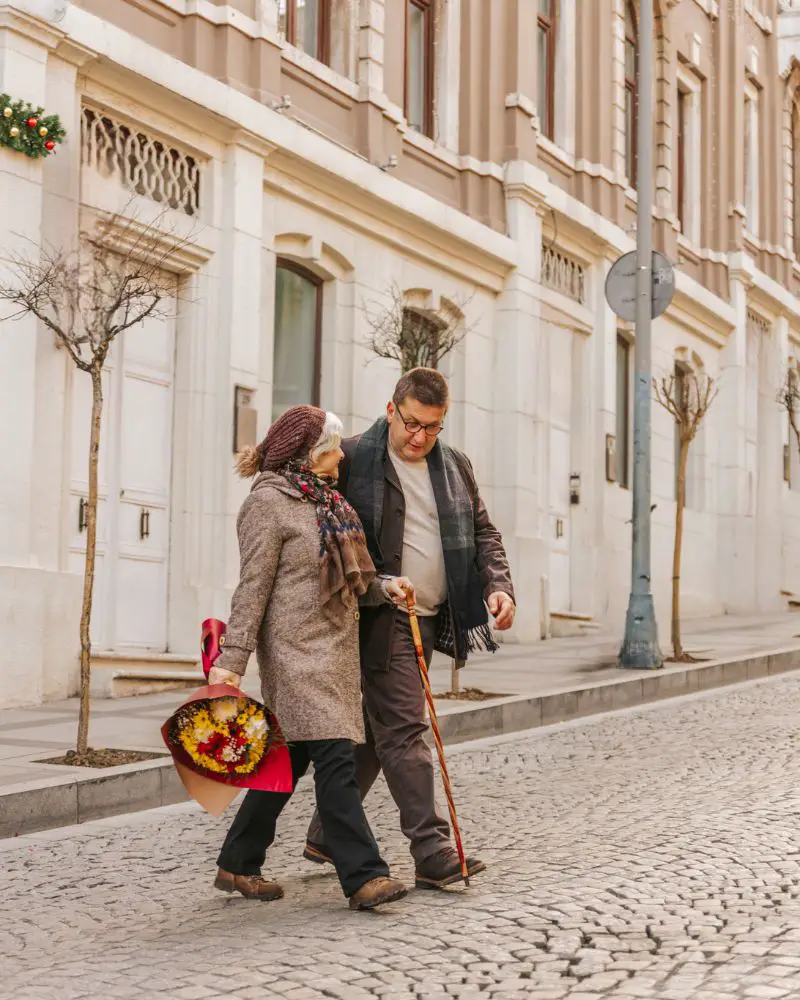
x=304 y=569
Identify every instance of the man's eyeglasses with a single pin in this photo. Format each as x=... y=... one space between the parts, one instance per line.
x=414 y=426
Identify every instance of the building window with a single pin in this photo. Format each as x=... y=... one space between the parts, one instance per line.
x=688 y=179
x=751 y=144
x=305 y=24
x=631 y=92
x=298 y=338
x=623 y=415
x=419 y=65
x=546 y=52
x=683 y=156
x=419 y=340
x=796 y=181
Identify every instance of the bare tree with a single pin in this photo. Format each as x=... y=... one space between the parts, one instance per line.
x=789 y=399
x=415 y=336
x=687 y=396
x=116 y=278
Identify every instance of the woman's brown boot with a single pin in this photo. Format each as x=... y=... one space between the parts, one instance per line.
x=250 y=886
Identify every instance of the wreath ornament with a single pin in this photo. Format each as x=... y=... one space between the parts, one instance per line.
x=27 y=129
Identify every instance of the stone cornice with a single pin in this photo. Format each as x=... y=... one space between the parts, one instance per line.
x=175 y=252
x=31 y=27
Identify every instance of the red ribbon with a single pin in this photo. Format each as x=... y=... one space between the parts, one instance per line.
x=211 y=642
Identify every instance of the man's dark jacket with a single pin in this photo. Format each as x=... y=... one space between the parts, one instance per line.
x=377 y=624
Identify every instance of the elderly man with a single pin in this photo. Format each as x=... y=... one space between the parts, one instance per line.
x=423 y=516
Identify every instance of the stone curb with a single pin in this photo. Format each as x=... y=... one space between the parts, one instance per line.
x=56 y=801
x=509 y=715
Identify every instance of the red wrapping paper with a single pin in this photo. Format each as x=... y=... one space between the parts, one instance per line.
x=215 y=793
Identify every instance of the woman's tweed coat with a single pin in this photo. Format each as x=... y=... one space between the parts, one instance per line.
x=310 y=673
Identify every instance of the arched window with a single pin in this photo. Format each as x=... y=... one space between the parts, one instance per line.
x=298 y=337
x=546 y=52
x=631 y=93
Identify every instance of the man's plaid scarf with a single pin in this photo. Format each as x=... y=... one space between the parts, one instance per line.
x=463 y=625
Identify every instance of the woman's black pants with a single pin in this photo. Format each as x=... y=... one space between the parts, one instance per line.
x=347 y=833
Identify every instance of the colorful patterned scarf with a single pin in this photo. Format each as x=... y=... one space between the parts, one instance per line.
x=346 y=569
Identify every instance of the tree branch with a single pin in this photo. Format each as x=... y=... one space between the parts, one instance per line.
x=412 y=336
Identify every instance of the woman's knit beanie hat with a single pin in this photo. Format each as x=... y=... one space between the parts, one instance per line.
x=293 y=435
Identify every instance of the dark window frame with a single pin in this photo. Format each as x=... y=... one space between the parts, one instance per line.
x=429 y=83
x=632 y=88
x=682 y=150
x=547 y=24
x=624 y=448
x=287 y=264
x=795 y=181
x=323 y=53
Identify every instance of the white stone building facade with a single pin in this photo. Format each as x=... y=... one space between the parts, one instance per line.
x=505 y=197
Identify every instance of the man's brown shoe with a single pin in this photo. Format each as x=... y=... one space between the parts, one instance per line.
x=376 y=892
x=319 y=855
x=444 y=868
x=250 y=886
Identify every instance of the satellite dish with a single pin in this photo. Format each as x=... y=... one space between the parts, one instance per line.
x=621 y=285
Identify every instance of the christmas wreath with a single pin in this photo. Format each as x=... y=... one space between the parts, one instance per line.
x=27 y=129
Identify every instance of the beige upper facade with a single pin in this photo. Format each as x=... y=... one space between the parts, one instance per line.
x=454 y=90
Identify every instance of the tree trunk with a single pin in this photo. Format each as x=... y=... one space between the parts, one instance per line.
x=455 y=680
x=677 y=647
x=91 y=545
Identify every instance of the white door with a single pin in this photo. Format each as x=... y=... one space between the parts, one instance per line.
x=130 y=591
x=560 y=465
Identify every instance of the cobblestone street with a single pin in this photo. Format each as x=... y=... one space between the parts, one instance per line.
x=649 y=854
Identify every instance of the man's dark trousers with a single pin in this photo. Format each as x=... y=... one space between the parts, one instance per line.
x=394 y=702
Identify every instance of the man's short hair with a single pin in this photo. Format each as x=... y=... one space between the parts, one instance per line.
x=425 y=385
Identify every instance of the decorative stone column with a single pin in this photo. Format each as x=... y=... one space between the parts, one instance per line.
x=520 y=428
x=225 y=347
x=736 y=564
x=34 y=600
x=771 y=421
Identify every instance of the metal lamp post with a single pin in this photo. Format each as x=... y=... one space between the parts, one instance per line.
x=640 y=649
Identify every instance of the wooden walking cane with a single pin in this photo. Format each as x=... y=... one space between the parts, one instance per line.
x=437 y=736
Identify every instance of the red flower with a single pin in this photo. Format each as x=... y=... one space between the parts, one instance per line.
x=304 y=487
x=212 y=746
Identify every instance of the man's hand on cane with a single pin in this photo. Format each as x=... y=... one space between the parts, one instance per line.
x=502 y=609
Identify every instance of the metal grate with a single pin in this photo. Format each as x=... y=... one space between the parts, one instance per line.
x=143 y=164
x=757 y=324
x=563 y=274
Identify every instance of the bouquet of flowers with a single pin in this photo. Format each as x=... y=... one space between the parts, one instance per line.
x=221 y=740
x=224 y=736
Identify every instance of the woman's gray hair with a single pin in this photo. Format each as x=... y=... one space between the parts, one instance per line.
x=330 y=438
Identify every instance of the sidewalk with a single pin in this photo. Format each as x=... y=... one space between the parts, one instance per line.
x=536 y=685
